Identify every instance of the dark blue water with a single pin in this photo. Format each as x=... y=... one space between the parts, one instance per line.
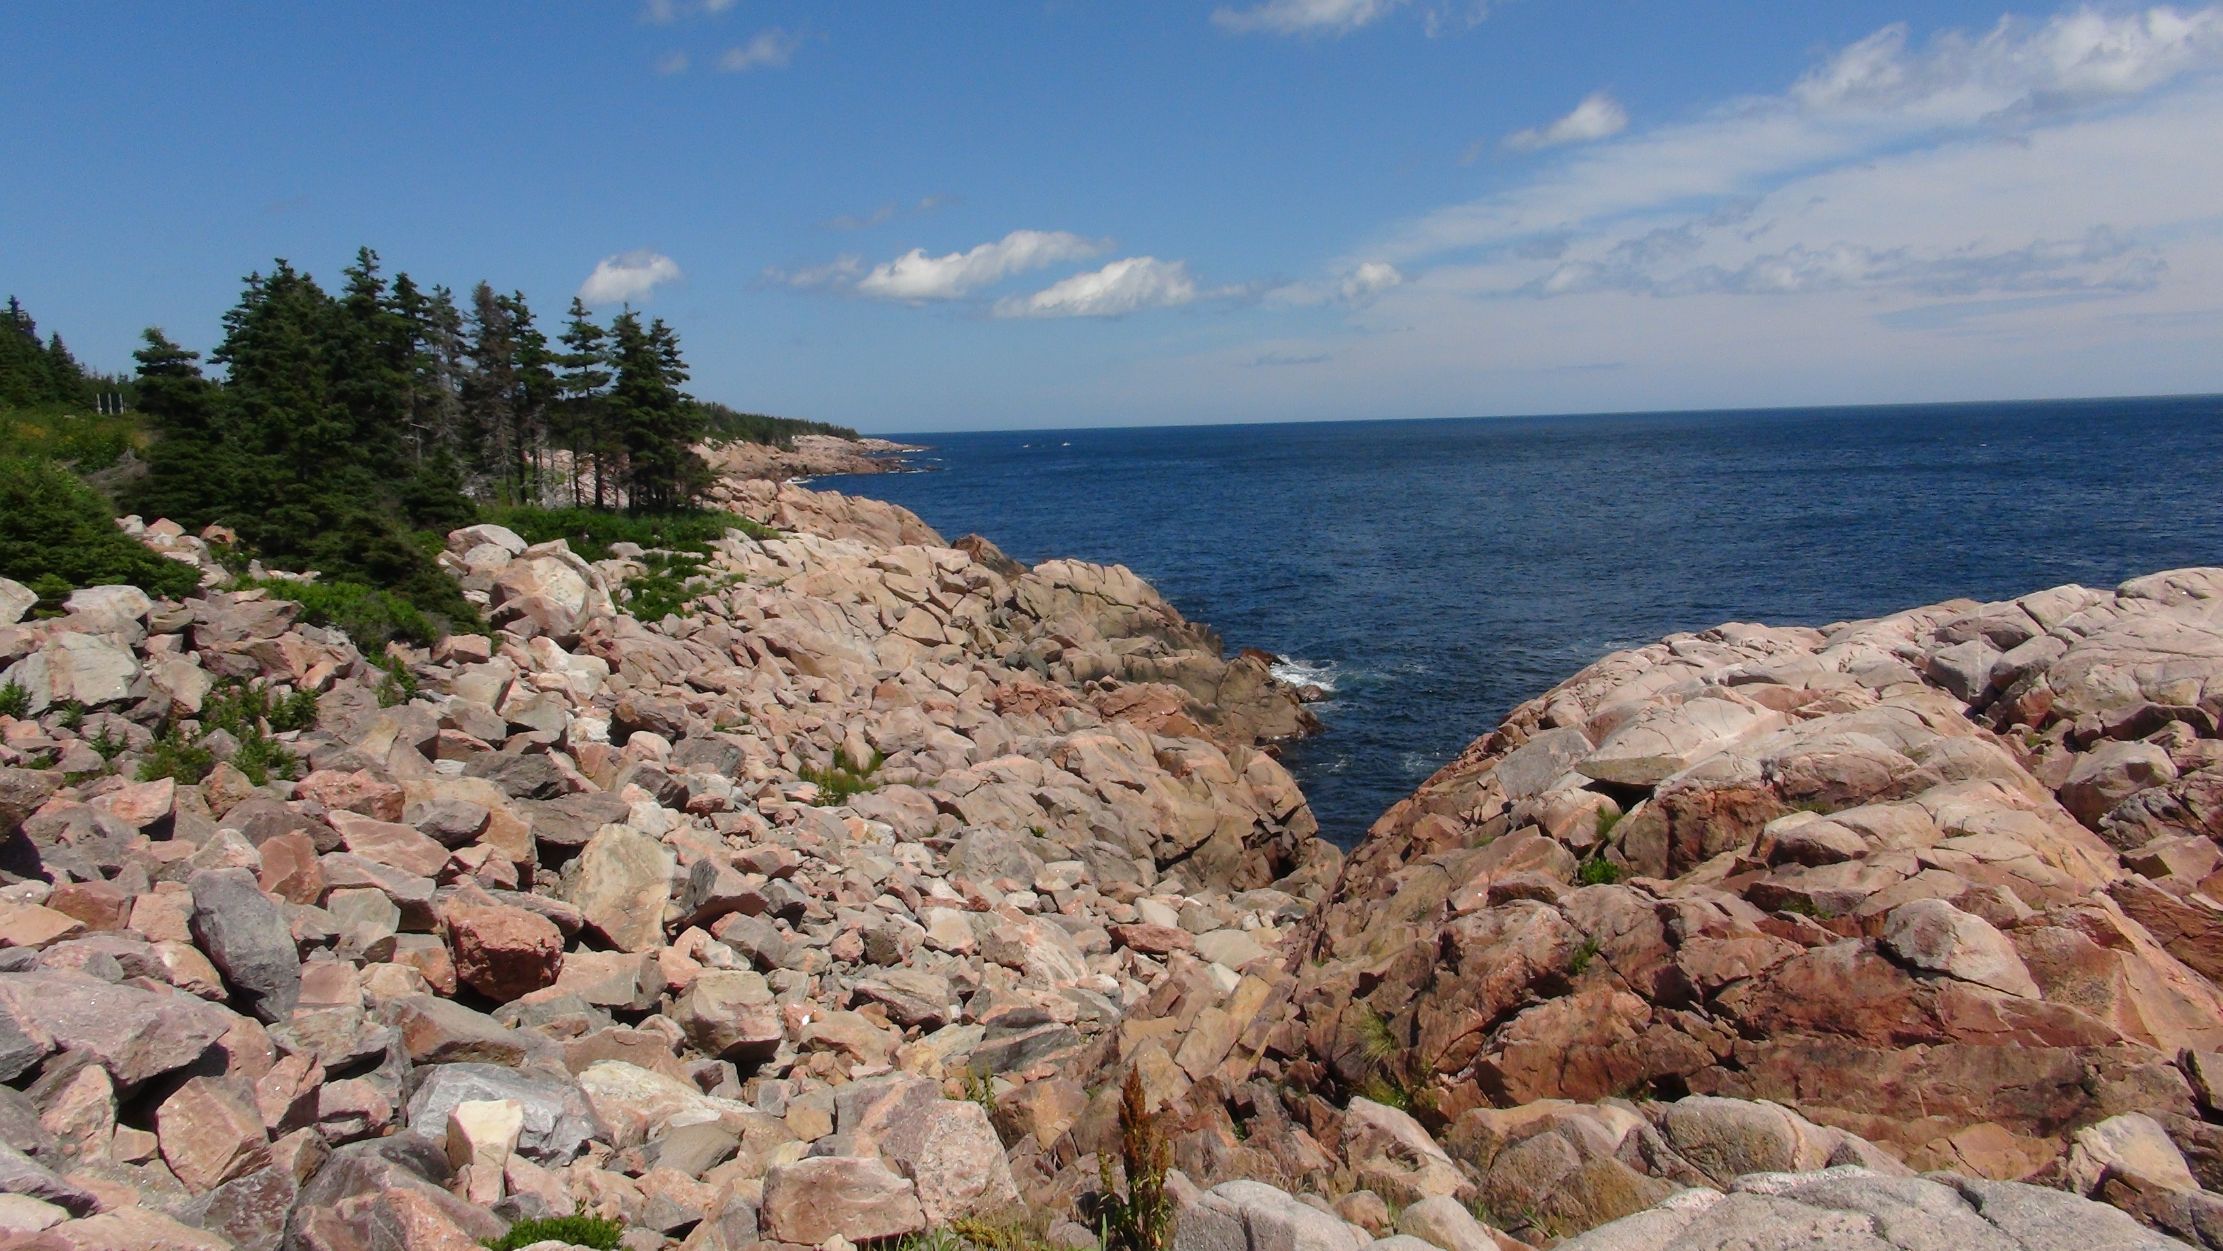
x=1441 y=572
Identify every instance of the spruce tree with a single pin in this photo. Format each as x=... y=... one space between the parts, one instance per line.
x=582 y=421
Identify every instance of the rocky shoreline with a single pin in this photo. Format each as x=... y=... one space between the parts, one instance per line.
x=807 y=456
x=838 y=910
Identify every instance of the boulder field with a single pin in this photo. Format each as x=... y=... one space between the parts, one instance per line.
x=838 y=909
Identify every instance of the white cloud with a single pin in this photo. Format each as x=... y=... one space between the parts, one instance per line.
x=1599 y=116
x=1368 y=280
x=1878 y=96
x=1303 y=17
x=2075 y=58
x=1357 y=286
x=771 y=48
x=1128 y=285
x=842 y=271
x=2022 y=209
x=627 y=276
x=915 y=277
x=665 y=12
x=674 y=63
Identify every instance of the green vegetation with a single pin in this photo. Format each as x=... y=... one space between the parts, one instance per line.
x=728 y=425
x=249 y=716
x=179 y=756
x=1607 y=819
x=578 y=1229
x=369 y=616
x=1142 y=1218
x=399 y=686
x=591 y=533
x=1584 y=954
x=1598 y=871
x=980 y=1088
x=57 y=534
x=14 y=700
x=842 y=781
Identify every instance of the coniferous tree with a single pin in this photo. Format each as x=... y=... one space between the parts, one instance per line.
x=653 y=418
x=490 y=393
x=537 y=390
x=582 y=421
x=191 y=456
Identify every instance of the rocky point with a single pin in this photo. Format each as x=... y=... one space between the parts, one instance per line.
x=839 y=909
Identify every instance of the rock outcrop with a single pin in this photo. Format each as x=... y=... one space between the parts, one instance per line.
x=1942 y=890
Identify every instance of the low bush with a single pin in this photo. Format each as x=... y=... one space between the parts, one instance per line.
x=58 y=534
x=842 y=782
x=590 y=532
x=369 y=616
x=1598 y=871
x=580 y=1230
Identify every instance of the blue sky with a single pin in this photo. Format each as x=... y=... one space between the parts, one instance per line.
x=909 y=217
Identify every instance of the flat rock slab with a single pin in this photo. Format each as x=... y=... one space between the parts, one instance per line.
x=1852 y=1209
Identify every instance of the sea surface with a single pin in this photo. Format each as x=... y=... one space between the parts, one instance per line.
x=1434 y=574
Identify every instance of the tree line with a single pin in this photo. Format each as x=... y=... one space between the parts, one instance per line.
x=346 y=430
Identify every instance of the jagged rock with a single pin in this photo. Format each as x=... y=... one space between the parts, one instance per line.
x=504 y=952
x=730 y=1014
x=623 y=880
x=555 y=1121
x=211 y=1133
x=135 y=1033
x=246 y=937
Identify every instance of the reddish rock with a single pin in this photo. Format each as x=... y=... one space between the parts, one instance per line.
x=211 y=1132
x=359 y=792
x=504 y=952
x=1152 y=940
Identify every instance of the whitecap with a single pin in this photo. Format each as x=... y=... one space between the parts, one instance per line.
x=1298 y=672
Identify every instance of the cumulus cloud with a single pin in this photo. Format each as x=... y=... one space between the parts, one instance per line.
x=915 y=277
x=1599 y=116
x=1367 y=280
x=674 y=63
x=627 y=276
x=1303 y=17
x=1128 y=285
x=771 y=48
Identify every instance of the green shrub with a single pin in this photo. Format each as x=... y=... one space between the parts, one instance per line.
x=178 y=756
x=590 y=532
x=579 y=1229
x=399 y=686
x=56 y=533
x=107 y=744
x=1584 y=954
x=369 y=616
x=841 y=783
x=1598 y=871
x=14 y=700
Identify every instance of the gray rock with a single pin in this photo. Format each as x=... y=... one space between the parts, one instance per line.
x=246 y=937
x=132 y=1032
x=15 y=600
x=1852 y=1209
x=558 y=1120
x=22 y=1175
x=1253 y=1216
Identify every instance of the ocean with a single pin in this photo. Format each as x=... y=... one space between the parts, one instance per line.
x=1433 y=574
